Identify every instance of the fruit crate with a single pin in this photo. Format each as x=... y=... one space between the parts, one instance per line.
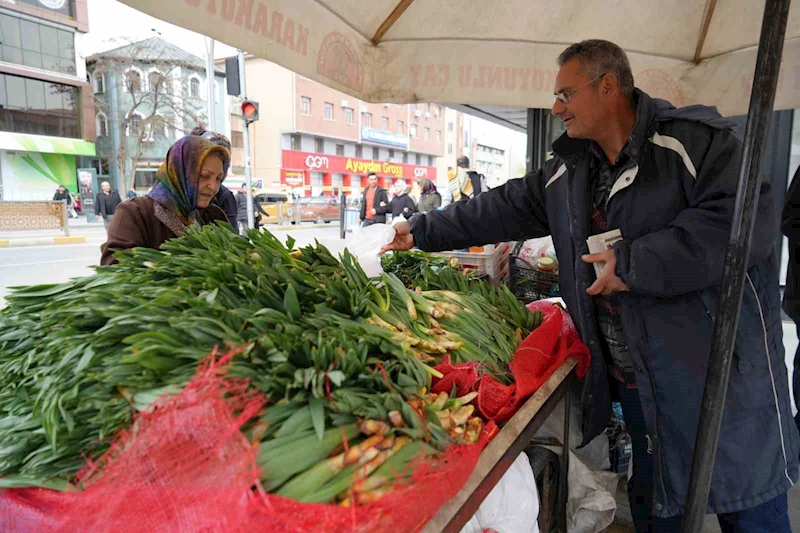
x=493 y=262
x=529 y=284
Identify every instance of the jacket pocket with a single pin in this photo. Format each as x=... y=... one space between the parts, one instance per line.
x=743 y=348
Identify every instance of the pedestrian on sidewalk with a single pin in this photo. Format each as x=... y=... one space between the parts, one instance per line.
x=241 y=210
x=430 y=199
x=402 y=204
x=63 y=194
x=371 y=210
x=790 y=226
x=666 y=178
x=106 y=202
x=181 y=197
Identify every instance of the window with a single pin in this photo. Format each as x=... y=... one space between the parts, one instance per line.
x=438 y=110
x=134 y=125
x=339 y=149
x=427 y=134
x=400 y=129
x=427 y=108
x=367 y=120
x=36 y=45
x=194 y=88
x=154 y=81
x=419 y=159
x=376 y=153
x=466 y=140
x=439 y=136
x=158 y=128
x=305 y=105
x=449 y=126
x=38 y=107
x=412 y=130
x=294 y=141
x=319 y=145
x=133 y=81
x=391 y=154
x=405 y=157
x=349 y=116
x=101 y=166
x=359 y=151
x=99 y=82
x=385 y=123
x=328 y=111
x=449 y=148
x=102 y=125
x=237 y=139
x=430 y=160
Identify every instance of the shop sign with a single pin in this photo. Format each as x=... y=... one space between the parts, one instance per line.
x=295 y=162
x=314 y=162
x=384 y=137
x=294 y=179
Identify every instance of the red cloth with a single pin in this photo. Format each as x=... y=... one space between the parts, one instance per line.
x=533 y=363
x=370 y=203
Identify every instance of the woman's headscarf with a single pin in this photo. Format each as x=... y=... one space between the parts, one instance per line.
x=178 y=178
x=428 y=186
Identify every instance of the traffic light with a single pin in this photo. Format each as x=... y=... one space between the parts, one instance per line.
x=249 y=111
x=232 y=76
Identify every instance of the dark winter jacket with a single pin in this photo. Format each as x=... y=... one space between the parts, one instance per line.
x=106 y=204
x=227 y=201
x=58 y=196
x=241 y=208
x=674 y=210
x=380 y=196
x=400 y=205
x=790 y=226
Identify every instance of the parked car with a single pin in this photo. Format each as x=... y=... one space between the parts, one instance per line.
x=269 y=202
x=318 y=209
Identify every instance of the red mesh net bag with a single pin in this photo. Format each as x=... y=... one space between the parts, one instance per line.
x=185 y=466
x=535 y=360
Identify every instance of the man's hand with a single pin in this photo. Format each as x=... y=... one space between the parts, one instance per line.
x=374 y=211
x=403 y=240
x=405 y=210
x=608 y=282
x=383 y=204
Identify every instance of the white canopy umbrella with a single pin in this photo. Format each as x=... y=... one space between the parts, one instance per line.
x=499 y=52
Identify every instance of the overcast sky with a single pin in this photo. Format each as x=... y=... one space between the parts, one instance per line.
x=113 y=24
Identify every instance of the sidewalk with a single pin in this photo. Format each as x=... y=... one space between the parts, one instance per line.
x=80 y=230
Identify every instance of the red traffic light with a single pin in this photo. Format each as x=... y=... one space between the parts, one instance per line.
x=250 y=110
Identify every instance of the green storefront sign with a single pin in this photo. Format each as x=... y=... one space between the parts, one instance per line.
x=43 y=144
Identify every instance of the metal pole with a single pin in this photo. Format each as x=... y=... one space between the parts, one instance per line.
x=342 y=214
x=770 y=48
x=248 y=171
x=212 y=122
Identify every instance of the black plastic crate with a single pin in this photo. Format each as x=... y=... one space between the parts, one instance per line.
x=527 y=283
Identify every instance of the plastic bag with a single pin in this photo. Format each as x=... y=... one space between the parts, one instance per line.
x=365 y=245
x=533 y=249
x=513 y=504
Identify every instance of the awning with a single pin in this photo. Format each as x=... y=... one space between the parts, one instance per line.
x=49 y=145
x=497 y=52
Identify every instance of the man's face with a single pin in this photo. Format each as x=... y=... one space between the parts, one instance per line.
x=61 y=190
x=373 y=181
x=586 y=111
x=106 y=188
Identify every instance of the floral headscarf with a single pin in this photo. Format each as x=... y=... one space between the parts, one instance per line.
x=178 y=179
x=427 y=186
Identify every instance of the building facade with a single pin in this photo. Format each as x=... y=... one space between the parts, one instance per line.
x=47 y=127
x=313 y=140
x=147 y=95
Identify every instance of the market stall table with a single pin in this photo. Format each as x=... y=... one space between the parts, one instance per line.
x=498 y=456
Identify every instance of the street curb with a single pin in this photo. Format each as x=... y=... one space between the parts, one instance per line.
x=42 y=241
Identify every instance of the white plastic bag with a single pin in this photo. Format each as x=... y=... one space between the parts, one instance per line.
x=365 y=245
x=513 y=504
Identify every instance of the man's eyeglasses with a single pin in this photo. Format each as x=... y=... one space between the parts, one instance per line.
x=217 y=138
x=565 y=97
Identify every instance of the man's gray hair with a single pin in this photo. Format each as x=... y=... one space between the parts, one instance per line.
x=105 y=183
x=600 y=57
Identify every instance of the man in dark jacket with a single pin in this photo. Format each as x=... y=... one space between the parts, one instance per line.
x=106 y=202
x=371 y=210
x=241 y=210
x=466 y=184
x=665 y=178
x=790 y=226
x=224 y=197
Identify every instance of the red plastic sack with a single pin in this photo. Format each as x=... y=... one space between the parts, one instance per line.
x=539 y=355
x=186 y=467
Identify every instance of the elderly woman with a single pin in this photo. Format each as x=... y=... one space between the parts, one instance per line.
x=430 y=199
x=185 y=185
